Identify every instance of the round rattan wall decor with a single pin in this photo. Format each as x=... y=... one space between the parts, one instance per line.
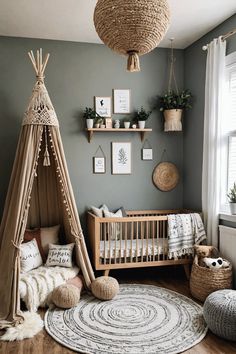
x=165 y=176
x=133 y=27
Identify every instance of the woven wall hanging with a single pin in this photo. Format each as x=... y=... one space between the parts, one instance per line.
x=133 y=27
x=165 y=175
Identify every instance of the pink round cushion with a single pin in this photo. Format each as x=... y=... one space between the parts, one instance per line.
x=76 y=281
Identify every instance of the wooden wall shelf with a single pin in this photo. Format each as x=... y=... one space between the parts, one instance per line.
x=142 y=132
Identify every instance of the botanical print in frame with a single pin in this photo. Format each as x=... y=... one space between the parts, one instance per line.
x=121 y=158
x=103 y=106
x=99 y=165
x=121 y=100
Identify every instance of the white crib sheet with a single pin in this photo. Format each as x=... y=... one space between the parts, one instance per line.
x=116 y=249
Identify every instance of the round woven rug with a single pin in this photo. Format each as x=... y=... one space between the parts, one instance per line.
x=141 y=319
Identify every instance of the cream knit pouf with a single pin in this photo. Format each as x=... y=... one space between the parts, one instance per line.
x=105 y=288
x=66 y=296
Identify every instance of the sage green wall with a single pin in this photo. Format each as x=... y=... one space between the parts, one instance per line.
x=194 y=74
x=76 y=73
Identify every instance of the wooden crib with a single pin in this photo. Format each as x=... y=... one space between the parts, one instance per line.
x=138 y=240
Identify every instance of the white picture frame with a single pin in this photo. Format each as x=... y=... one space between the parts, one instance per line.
x=147 y=154
x=99 y=165
x=103 y=106
x=121 y=158
x=121 y=101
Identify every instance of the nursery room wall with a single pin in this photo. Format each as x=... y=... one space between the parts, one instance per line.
x=194 y=74
x=77 y=72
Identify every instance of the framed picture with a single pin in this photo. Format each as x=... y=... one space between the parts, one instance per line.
x=146 y=154
x=121 y=158
x=121 y=100
x=99 y=165
x=108 y=122
x=103 y=106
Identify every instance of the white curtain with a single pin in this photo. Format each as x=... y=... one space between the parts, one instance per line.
x=211 y=172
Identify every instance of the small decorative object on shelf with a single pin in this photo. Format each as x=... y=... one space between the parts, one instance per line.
x=90 y=115
x=232 y=199
x=117 y=124
x=134 y=126
x=126 y=123
x=108 y=122
x=173 y=102
x=141 y=116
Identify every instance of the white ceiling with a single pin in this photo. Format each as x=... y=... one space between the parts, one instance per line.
x=72 y=20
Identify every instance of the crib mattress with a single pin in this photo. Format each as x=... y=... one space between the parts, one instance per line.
x=133 y=248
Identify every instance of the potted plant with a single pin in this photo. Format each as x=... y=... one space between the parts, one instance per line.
x=90 y=115
x=232 y=199
x=126 y=123
x=141 y=116
x=172 y=105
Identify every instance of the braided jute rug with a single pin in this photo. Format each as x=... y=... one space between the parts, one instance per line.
x=141 y=319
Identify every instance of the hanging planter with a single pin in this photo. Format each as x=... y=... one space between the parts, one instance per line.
x=173 y=120
x=173 y=102
x=133 y=27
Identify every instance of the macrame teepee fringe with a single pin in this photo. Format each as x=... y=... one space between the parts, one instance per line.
x=133 y=62
x=40 y=109
x=46 y=160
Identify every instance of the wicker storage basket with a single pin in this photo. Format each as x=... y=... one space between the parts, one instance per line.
x=204 y=281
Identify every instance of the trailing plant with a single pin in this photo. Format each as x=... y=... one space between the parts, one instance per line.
x=173 y=100
x=142 y=114
x=232 y=194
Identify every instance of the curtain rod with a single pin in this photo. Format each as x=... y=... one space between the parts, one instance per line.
x=224 y=37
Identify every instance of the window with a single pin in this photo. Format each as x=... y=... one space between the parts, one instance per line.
x=229 y=131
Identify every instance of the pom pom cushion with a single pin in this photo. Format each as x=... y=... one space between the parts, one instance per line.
x=105 y=288
x=66 y=296
x=60 y=255
x=30 y=256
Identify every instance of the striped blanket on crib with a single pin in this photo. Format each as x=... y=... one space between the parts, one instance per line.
x=184 y=231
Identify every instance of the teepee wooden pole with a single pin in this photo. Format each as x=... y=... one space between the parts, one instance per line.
x=45 y=62
x=31 y=56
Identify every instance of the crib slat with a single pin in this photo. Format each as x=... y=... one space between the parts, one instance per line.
x=120 y=229
x=164 y=239
x=104 y=240
x=137 y=241
x=158 y=239
x=147 y=228
x=142 y=240
x=153 y=245
x=115 y=242
x=110 y=248
x=125 y=251
x=132 y=236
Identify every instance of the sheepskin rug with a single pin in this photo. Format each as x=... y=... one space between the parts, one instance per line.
x=32 y=325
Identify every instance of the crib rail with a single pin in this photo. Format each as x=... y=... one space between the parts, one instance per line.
x=138 y=240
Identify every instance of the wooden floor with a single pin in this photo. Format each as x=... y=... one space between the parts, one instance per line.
x=168 y=277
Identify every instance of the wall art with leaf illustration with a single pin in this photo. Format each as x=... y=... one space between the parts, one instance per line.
x=121 y=158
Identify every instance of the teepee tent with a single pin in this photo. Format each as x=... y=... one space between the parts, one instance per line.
x=39 y=195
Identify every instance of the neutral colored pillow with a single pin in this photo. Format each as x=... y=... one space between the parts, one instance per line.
x=35 y=233
x=49 y=235
x=60 y=255
x=114 y=229
x=99 y=211
x=30 y=256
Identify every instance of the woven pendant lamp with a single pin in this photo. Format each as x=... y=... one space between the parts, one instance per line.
x=133 y=27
